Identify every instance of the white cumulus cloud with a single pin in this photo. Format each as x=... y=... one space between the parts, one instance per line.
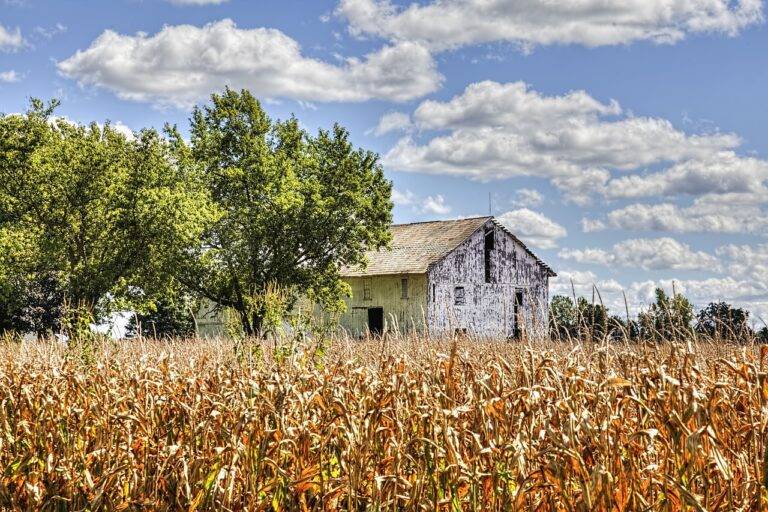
x=500 y=130
x=526 y=197
x=700 y=217
x=403 y=197
x=392 y=122
x=533 y=228
x=11 y=39
x=9 y=77
x=721 y=173
x=432 y=205
x=183 y=64
x=435 y=205
x=583 y=283
x=746 y=261
x=445 y=24
x=637 y=295
x=645 y=253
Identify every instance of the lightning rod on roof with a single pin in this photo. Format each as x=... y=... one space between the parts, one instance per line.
x=490 y=205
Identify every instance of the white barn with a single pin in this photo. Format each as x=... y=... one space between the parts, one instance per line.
x=469 y=275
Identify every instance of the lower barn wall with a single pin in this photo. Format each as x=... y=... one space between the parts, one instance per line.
x=488 y=310
x=400 y=314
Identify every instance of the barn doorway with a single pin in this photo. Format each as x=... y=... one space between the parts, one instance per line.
x=518 y=315
x=376 y=321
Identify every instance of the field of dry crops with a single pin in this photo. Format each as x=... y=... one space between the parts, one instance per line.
x=399 y=425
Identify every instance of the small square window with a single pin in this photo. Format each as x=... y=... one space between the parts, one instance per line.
x=367 y=289
x=459 y=298
x=404 y=288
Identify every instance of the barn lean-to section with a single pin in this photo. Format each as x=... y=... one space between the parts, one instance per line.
x=469 y=275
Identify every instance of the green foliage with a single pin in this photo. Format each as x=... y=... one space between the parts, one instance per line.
x=582 y=320
x=169 y=317
x=92 y=220
x=667 y=319
x=292 y=208
x=82 y=340
x=722 y=321
x=272 y=304
x=42 y=305
x=594 y=319
x=93 y=211
x=248 y=350
x=11 y=305
x=563 y=317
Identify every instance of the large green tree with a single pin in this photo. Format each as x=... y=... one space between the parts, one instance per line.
x=293 y=207
x=91 y=212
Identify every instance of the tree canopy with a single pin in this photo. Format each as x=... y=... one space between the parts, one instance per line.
x=167 y=317
x=91 y=218
x=292 y=207
x=88 y=215
x=583 y=320
x=668 y=318
x=720 y=320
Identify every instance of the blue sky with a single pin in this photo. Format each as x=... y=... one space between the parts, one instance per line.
x=625 y=141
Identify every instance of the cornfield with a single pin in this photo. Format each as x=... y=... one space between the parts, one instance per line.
x=405 y=424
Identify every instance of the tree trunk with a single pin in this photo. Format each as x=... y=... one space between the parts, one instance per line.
x=246 y=321
x=252 y=324
x=79 y=318
x=257 y=320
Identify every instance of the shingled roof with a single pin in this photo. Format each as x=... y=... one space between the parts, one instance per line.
x=416 y=246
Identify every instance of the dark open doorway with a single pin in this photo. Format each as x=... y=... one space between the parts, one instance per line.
x=518 y=312
x=376 y=321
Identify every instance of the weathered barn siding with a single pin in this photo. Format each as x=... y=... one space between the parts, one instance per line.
x=400 y=314
x=488 y=308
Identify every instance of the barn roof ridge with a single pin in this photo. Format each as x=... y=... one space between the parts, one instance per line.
x=442 y=221
x=418 y=245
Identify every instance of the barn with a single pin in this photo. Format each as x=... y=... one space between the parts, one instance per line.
x=442 y=277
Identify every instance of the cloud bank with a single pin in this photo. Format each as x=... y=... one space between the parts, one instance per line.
x=446 y=24
x=183 y=64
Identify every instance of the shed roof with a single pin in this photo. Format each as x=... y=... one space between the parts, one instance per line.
x=417 y=245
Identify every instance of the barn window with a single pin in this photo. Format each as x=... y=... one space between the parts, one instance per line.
x=490 y=241
x=367 y=289
x=459 y=298
x=404 y=288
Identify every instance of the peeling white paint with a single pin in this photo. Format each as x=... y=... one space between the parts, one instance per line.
x=489 y=307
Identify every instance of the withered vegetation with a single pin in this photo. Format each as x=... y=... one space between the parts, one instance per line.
x=405 y=424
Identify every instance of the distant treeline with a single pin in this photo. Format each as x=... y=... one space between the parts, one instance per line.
x=669 y=318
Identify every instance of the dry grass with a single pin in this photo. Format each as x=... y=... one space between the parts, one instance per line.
x=403 y=425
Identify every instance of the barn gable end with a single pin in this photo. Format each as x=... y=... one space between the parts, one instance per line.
x=505 y=290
